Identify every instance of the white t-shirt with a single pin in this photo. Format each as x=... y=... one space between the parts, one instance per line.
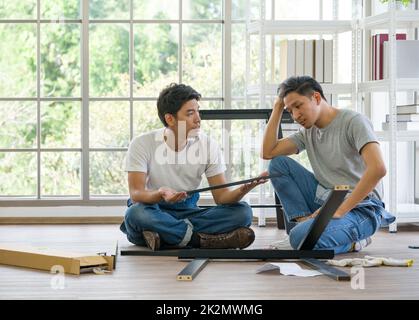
x=181 y=170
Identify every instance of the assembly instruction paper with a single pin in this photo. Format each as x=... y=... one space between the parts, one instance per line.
x=288 y=269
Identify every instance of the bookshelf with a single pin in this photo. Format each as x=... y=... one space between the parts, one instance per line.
x=269 y=27
x=361 y=89
x=263 y=28
x=391 y=21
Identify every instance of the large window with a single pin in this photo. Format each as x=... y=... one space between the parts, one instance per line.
x=80 y=78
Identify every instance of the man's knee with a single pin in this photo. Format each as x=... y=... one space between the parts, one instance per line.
x=279 y=164
x=138 y=215
x=298 y=233
x=243 y=214
x=295 y=239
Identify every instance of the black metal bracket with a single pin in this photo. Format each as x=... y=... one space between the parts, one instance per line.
x=326 y=213
x=195 y=267
x=192 y=269
x=258 y=254
x=242 y=114
x=235 y=183
x=148 y=252
x=327 y=270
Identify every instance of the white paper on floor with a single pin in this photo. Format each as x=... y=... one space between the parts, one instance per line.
x=288 y=269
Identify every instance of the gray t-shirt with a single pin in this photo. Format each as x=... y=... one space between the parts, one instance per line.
x=334 y=151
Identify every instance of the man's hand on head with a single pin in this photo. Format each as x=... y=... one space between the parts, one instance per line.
x=279 y=103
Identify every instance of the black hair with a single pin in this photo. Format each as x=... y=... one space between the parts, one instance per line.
x=303 y=85
x=173 y=97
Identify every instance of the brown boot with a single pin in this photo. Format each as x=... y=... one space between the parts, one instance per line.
x=152 y=239
x=239 y=238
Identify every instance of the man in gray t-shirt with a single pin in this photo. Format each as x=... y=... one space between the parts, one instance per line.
x=335 y=150
x=343 y=150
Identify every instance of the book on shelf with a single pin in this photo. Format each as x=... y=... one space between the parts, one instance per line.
x=299 y=58
x=318 y=60
x=373 y=60
x=313 y=58
x=408 y=109
x=406 y=125
x=404 y=117
x=286 y=59
x=328 y=61
x=379 y=39
x=309 y=58
x=385 y=60
x=379 y=45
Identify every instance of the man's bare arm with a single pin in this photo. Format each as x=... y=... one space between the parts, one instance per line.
x=271 y=146
x=375 y=170
x=228 y=196
x=138 y=192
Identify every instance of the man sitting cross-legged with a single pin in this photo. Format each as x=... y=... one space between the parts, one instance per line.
x=163 y=164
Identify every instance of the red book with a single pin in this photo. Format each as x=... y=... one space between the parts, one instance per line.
x=374 y=56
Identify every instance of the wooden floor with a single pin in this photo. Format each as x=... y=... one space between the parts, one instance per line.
x=155 y=277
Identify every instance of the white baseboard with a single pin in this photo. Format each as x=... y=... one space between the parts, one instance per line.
x=82 y=214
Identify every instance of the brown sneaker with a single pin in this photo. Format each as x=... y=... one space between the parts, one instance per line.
x=152 y=239
x=239 y=238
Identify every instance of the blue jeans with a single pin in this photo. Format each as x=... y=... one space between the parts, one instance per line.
x=296 y=189
x=175 y=222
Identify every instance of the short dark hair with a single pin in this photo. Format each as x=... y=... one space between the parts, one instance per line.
x=173 y=97
x=303 y=85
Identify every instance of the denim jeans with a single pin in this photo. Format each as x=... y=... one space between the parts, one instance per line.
x=175 y=222
x=296 y=188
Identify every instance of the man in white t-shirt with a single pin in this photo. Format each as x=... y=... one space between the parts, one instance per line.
x=163 y=164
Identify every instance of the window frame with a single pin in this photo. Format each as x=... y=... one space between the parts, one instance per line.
x=85 y=198
x=226 y=99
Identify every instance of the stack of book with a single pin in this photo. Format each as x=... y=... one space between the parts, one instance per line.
x=377 y=54
x=312 y=58
x=407 y=118
x=406 y=53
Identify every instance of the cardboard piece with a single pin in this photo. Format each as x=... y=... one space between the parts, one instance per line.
x=45 y=259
